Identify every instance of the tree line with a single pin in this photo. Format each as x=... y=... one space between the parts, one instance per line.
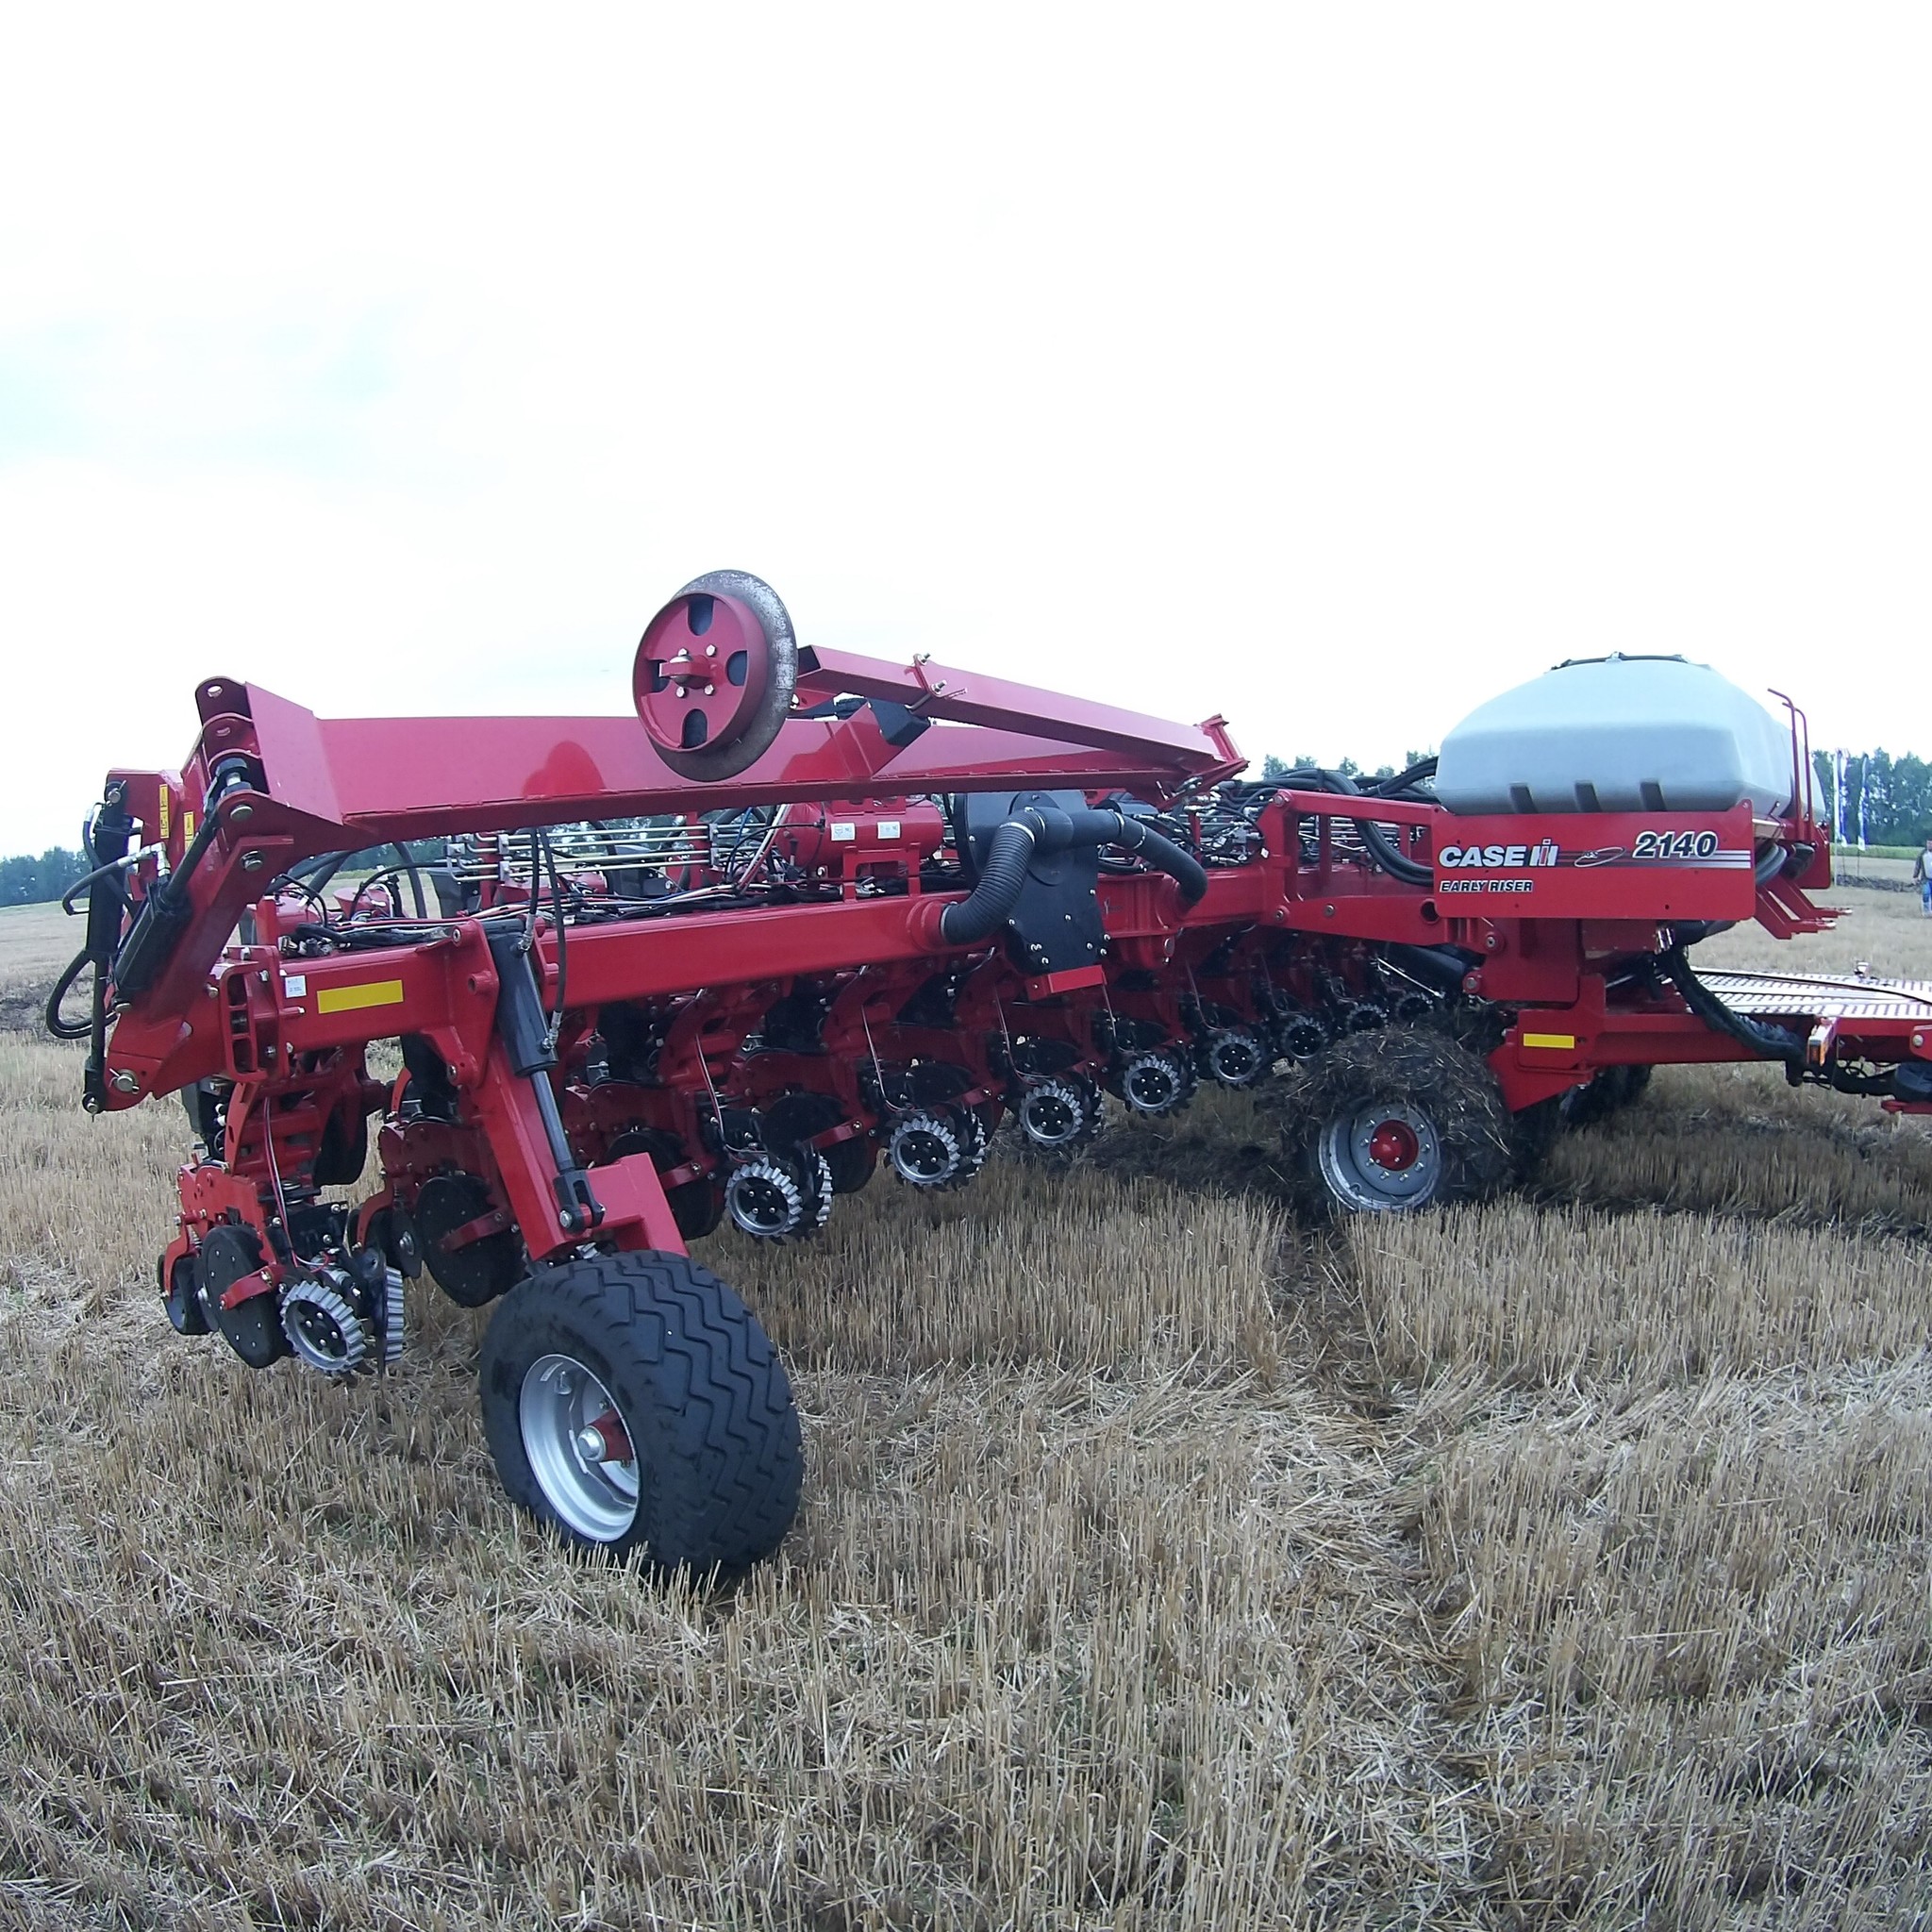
x=1888 y=800
x=30 y=881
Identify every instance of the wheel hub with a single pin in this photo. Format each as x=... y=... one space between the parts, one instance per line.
x=578 y=1447
x=1395 y=1145
x=1382 y=1156
x=924 y=1150
x=700 y=670
x=764 y=1200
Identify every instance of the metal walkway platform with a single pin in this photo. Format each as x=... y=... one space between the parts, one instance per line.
x=1822 y=997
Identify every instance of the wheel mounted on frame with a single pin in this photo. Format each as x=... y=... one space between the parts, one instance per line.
x=251 y=1327
x=633 y=1403
x=1394 y=1120
x=715 y=674
x=1058 y=1116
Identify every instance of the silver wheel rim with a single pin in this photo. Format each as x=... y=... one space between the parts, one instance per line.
x=1352 y=1151
x=559 y=1411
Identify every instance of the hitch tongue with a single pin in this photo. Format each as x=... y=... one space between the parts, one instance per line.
x=520 y=1026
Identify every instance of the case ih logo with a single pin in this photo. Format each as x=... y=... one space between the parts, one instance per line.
x=1499 y=857
x=1649 y=848
x=1511 y=868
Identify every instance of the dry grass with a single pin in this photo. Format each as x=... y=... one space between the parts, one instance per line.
x=1162 y=1564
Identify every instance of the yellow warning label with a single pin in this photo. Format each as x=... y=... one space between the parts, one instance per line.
x=1560 y=1043
x=188 y=828
x=370 y=992
x=167 y=799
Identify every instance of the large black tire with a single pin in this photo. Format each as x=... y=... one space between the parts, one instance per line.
x=697 y=1387
x=1433 y=1109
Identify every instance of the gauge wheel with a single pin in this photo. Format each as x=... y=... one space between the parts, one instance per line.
x=1394 y=1120
x=633 y=1404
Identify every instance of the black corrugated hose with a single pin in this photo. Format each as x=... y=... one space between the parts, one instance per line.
x=1044 y=830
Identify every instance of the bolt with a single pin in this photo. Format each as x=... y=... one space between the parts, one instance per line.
x=565 y=1221
x=1328 y=912
x=682 y=688
x=251 y=861
x=709 y=689
x=711 y=650
x=124 y=1082
x=590 y=1444
x=240 y=814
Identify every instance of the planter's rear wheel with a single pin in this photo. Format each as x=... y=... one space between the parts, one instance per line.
x=1394 y=1120
x=632 y=1402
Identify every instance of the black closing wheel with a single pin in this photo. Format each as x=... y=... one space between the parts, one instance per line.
x=706 y=722
x=632 y=1402
x=470 y=1271
x=253 y=1327
x=1394 y=1120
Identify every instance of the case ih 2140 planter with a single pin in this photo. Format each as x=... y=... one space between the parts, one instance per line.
x=802 y=912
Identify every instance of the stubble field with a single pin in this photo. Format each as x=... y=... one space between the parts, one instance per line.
x=1163 y=1563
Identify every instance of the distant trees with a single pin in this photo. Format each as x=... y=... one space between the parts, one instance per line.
x=1888 y=800
x=29 y=881
x=1275 y=769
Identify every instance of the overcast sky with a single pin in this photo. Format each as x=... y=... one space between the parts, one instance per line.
x=1331 y=368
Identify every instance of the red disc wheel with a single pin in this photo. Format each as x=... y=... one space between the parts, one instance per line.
x=714 y=675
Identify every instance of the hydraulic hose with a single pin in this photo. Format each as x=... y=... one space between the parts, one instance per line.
x=1769 y=1043
x=61 y=1028
x=1444 y=967
x=1041 y=828
x=1107 y=825
x=1396 y=864
x=1772 y=1042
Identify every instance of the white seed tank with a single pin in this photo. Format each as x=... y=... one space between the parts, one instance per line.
x=1619 y=734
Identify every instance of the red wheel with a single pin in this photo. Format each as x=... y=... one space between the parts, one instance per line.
x=714 y=675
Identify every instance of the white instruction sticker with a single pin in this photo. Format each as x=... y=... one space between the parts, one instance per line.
x=889 y=829
x=844 y=831
x=295 y=984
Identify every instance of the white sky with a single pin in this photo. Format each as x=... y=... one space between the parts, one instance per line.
x=1329 y=367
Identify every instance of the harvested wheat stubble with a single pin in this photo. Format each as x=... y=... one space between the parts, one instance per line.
x=1537 y=1297
x=1152 y=1574
x=1694 y=1636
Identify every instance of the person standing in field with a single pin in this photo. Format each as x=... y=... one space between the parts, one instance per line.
x=1922 y=876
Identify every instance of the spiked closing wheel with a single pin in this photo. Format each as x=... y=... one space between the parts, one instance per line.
x=714 y=675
